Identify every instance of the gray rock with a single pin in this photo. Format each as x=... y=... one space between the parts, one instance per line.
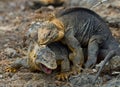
x=112 y=83
x=84 y=80
x=36 y=83
x=51 y=7
x=113 y=64
x=86 y=3
x=23 y=76
x=10 y=52
x=52 y=85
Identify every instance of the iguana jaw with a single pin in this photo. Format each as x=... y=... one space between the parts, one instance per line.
x=58 y=37
x=47 y=68
x=46 y=60
x=46 y=36
x=53 y=31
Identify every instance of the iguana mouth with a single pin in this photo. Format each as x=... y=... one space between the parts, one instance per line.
x=45 y=69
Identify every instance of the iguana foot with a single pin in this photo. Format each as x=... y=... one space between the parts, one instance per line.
x=77 y=66
x=90 y=63
x=63 y=76
x=10 y=69
x=76 y=70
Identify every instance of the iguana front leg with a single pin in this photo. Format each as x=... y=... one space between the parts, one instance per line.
x=76 y=56
x=65 y=70
x=16 y=65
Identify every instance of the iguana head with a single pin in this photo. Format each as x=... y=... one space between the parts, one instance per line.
x=43 y=58
x=50 y=32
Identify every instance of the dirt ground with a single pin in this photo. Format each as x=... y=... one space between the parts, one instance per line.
x=15 y=19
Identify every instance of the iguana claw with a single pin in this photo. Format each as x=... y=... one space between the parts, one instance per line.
x=63 y=76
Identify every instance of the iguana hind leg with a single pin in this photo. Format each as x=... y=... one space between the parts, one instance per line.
x=16 y=65
x=93 y=49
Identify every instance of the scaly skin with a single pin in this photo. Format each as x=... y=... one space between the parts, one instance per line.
x=45 y=59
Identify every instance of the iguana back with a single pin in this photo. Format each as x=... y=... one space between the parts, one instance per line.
x=85 y=23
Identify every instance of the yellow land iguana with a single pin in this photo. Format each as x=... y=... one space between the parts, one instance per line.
x=46 y=59
x=40 y=3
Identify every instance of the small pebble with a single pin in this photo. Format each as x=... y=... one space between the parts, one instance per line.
x=10 y=52
x=1 y=76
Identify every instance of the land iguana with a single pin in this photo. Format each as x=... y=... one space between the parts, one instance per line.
x=78 y=28
x=51 y=2
x=40 y=3
x=46 y=59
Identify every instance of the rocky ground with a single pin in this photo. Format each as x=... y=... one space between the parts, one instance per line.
x=15 y=18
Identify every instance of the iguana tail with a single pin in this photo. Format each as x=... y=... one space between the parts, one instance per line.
x=107 y=58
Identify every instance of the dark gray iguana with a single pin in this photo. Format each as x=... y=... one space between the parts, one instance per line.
x=79 y=28
x=45 y=58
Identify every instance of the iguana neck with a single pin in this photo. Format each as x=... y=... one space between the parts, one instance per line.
x=60 y=26
x=32 y=64
x=35 y=65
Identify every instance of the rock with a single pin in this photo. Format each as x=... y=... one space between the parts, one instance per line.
x=113 y=22
x=51 y=7
x=36 y=83
x=112 y=83
x=10 y=52
x=84 y=80
x=113 y=64
x=86 y=3
x=16 y=83
x=38 y=76
x=22 y=76
x=1 y=76
x=52 y=85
